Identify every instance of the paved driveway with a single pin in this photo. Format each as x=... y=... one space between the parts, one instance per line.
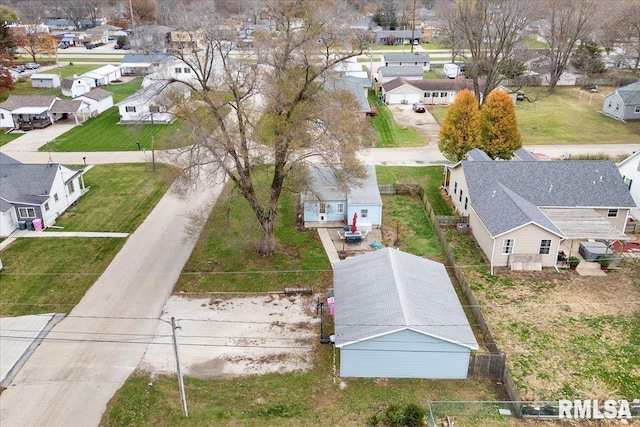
x=424 y=123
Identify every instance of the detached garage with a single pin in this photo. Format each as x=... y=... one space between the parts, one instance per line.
x=398 y=316
x=49 y=81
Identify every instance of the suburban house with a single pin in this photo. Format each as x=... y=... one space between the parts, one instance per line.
x=624 y=103
x=409 y=72
x=140 y=65
x=327 y=200
x=630 y=170
x=394 y=37
x=152 y=35
x=350 y=68
x=28 y=112
x=357 y=86
x=49 y=81
x=152 y=104
x=429 y=92
x=102 y=76
x=399 y=59
x=35 y=193
x=98 y=100
x=61 y=24
x=75 y=86
x=397 y=315
x=521 y=211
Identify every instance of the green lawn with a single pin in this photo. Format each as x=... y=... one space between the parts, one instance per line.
x=5 y=138
x=103 y=133
x=387 y=132
x=52 y=274
x=122 y=90
x=566 y=118
x=131 y=190
x=70 y=70
x=23 y=87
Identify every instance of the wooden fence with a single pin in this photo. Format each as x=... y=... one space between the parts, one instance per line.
x=482 y=366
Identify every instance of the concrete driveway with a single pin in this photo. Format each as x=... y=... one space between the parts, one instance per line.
x=424 y=123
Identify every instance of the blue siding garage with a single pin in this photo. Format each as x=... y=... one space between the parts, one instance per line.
x=398 y=316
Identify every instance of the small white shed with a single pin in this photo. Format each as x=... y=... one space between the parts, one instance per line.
x=49 y=81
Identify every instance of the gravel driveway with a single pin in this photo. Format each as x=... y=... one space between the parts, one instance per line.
x=424 y=123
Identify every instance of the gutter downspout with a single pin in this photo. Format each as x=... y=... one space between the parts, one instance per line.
x=493 y=250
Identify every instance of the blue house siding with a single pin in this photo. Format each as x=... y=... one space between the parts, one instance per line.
x=332 y=213
x=404 y=354
x=373 y=214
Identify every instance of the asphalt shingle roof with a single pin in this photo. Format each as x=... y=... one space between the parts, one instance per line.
x=389 y=290
x=406 y=57
x=97 y=94
x=508 y=194
x=401 y=70
x=630 y=94
x=325 y=186
x=19 y=101
x=29 y=184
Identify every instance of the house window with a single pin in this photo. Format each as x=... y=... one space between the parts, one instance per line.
x=545 y=247
x=364 y=213
x=130 y=109
x=1 y=115
x=507 y=246
x=178 y=70
x=27 y=212
x=46 y=206
x=613 y=213
x=427 y=94
x=186 y=70
x=154 y=109
x=460 y=198
x=466 y=203
x=455 y=187
x=70 y=187
x=637 y=109
x=434 y=94
x=340 y=208
x=443 y=94
x=323 y=208
x=628 y=181
x=55 y=197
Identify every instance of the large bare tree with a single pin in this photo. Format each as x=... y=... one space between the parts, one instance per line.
x=490 y=30
x=568 y=22
x=276 y=104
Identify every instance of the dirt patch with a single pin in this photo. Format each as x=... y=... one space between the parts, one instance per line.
x=229 y=337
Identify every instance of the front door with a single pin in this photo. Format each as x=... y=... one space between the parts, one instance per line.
x=322 y=215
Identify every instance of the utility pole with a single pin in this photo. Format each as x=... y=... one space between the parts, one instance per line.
x=153 y=151
x=413 y=24
x=183 y=396
x=133 y=24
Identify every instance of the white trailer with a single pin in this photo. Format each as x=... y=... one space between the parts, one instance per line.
x=451 y=70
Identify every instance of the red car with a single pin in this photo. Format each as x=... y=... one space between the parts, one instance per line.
x=117 y=46
x=418 y=107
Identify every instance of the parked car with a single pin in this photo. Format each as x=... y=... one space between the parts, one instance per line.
x=63 y=46
x=117 y=46
x=90 y=45
x=126 y=47
x=419 y=107
x=520 y=96
x=591 y=88
x=19 y=68
x=32 y=65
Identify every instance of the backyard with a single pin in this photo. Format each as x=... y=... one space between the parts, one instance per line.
x=569 y=116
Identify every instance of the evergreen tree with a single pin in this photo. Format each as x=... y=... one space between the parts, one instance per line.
x=587 y=59
x=460 y=131
x=498 y=126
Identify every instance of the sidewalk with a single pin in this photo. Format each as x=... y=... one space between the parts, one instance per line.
x=37 y=234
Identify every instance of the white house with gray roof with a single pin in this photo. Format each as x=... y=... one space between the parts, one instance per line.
x=327 y=200
x=397 y=315
x=401 y=59
x=630 y=170
x=521 y=211
x=31 y=192
x=409 y=72
x=624 y=103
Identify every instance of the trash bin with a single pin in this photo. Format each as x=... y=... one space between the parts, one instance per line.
x=22 y=225
x=30 y=226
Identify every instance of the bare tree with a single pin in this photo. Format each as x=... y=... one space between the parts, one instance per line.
x=630 y=57
x=569 y=21
x=74 y=10
x=279 y=107
x=31 y=11
x=491 y=31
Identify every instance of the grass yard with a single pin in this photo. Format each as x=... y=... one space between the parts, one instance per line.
x=6 y=138
x=566 y=336
x=566 y=118
x=70 y=70
x=387 y=132
x=224 y=259
x=103 y=133
x=131 y=190
x=122 y=90
x=51 y=275
x=23 y=87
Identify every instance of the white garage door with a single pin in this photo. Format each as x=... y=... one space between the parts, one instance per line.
x=399 y=98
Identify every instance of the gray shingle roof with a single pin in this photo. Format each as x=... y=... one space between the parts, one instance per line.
x=19 y=101
x=524 y=154
x=66 y=106
x=401 y=70
x=326 y=187
x=478 y=155
x=67 y=83
x=389 y=290
x=630 y=94
x=406 y=57
x=29 y=184
x=431 y=84
x=508 y=194
x=97 y=94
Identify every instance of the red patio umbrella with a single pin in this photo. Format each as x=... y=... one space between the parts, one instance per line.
x=353 y=225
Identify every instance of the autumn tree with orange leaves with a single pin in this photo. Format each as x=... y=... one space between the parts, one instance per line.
x=499 y=132
x=460 y=131
x=6 y=79
x=37 y=44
